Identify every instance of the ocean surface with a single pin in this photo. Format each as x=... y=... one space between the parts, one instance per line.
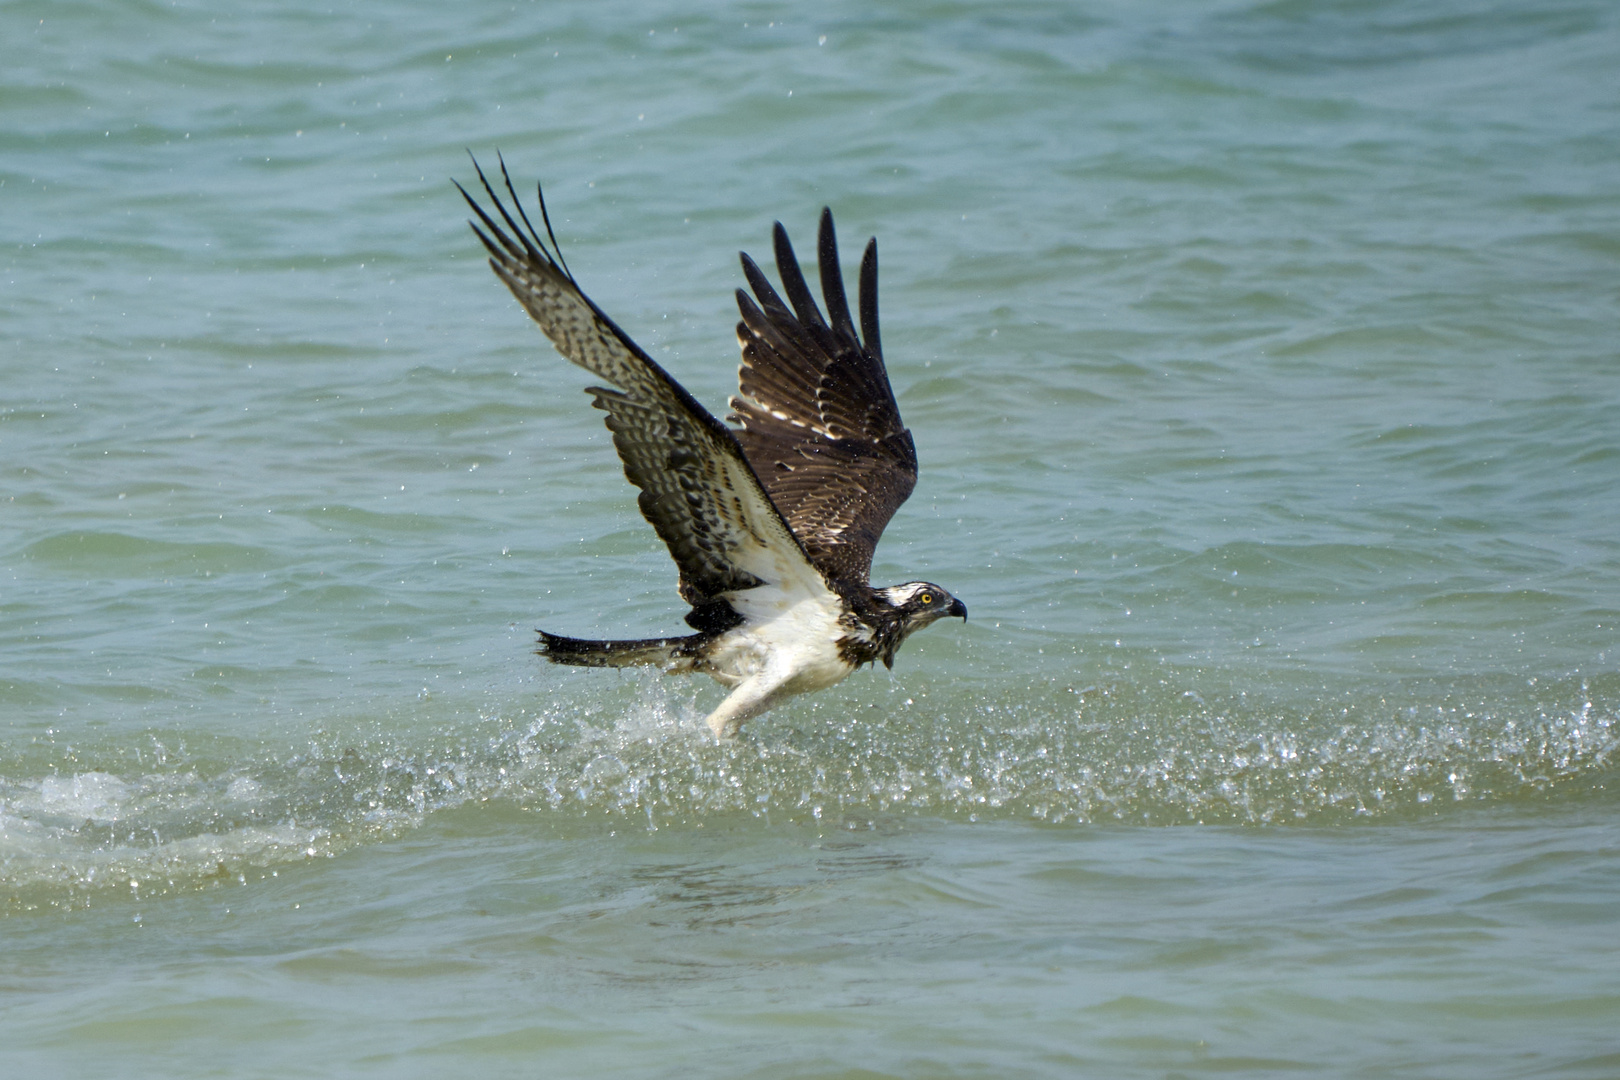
x=1263 y=359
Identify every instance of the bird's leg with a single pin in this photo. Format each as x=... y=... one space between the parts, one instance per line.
x=758 y=693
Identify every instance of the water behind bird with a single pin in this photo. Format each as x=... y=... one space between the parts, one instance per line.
x=1260 y=365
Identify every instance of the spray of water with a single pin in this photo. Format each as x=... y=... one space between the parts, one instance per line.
x=214 y=815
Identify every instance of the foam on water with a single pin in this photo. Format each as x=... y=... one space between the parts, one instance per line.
x=1104 y=752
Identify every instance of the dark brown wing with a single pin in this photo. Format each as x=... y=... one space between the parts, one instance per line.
x=818 y=418
x=697 y=487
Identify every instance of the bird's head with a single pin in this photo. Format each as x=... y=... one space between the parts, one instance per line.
x=919 y=603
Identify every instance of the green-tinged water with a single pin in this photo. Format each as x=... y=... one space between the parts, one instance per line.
x=1262 y=363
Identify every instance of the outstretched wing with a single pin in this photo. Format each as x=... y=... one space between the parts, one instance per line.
x=697 y=487
x=818 y=419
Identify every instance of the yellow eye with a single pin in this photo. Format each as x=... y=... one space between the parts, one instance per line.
x=927 y=598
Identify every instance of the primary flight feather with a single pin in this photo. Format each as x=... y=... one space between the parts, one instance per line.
x=772 y=523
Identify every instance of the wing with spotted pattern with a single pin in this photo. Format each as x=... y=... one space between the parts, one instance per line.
x=697 y=487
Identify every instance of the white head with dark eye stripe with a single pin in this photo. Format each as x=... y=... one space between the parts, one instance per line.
x=921 y=602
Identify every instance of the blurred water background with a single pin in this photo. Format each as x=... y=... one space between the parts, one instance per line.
x=1261 y=358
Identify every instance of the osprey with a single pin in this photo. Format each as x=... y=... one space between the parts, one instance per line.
x=772 y=522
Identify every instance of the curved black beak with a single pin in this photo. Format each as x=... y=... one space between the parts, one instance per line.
x=958 y=609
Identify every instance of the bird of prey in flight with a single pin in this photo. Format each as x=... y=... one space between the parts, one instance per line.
x=772 y=521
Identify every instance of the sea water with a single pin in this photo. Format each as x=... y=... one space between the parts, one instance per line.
x=1261 y=360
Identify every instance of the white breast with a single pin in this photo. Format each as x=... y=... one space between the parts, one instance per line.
x=792 y=637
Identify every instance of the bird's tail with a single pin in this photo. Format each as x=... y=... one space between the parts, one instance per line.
x=677 y=654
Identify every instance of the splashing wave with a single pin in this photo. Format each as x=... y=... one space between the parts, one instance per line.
x=1122 y=753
